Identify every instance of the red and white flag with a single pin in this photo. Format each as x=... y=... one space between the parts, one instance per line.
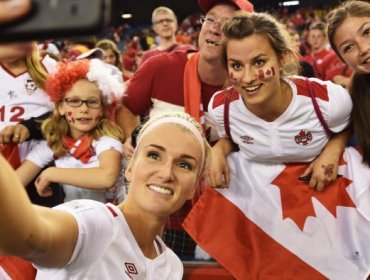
x=271 y=225
x=266 y=73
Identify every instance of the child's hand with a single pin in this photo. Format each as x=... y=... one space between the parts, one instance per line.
x=323 y=170
x=218 y=172
x=42 y=184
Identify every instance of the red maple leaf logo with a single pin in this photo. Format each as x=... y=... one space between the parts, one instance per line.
x=268 y=72
x=296 y=195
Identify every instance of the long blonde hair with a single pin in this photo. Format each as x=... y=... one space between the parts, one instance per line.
x=35 y=68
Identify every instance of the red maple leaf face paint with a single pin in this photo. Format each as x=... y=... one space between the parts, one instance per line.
x=266 y=73
x=233 y=80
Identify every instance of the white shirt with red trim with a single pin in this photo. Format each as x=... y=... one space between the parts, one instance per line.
x=42 y=155
x=107 y=249
x=21 y=99
x=297 y=135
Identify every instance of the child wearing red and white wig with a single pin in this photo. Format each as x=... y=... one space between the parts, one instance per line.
x=84 y=144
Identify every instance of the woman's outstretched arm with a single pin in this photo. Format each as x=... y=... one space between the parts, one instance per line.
x=41 y=235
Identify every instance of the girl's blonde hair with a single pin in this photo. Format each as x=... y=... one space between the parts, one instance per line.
x=35 y=68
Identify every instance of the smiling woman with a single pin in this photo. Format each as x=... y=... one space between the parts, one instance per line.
x=105 y=241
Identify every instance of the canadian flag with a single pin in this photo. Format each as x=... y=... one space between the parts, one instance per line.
x=266 y=73
x=271 y=225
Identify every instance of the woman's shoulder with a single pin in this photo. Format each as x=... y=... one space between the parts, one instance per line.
x=222 y=97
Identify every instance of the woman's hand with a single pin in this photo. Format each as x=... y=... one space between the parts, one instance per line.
x=14 y=134
x=217 y=174
x=42 y=184
x=322 y=171
x=11 y=10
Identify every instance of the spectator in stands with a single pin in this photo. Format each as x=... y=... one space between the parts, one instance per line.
x=111 y=53
x=84 y=144
x=318 y=51
x=349 y=36
x=164 y=22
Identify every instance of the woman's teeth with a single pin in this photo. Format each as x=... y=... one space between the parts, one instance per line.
x=160 y=190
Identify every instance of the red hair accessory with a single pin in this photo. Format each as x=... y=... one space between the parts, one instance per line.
x=67 y=73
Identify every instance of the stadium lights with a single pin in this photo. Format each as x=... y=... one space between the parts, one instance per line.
x=289 y=3
x=126 y=16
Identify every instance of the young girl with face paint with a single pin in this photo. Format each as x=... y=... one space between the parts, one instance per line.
x=349 y=36
x=84 y=144
x=271 y=106
x=85 y=239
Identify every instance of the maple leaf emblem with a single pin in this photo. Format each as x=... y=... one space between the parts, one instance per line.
x=296 y=195
x=268 y=72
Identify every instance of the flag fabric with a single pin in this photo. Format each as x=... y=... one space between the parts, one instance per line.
x=11 y=154
x=270 y=225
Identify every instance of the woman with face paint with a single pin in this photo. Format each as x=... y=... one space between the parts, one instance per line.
x=84 y=144
x=272 y=222
x=267 y=96
x=85 y=239
x=349 y=36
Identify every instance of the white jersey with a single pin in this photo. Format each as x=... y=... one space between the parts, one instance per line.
x=297 y=135
x=21 y=99
x=107 y=249
x=42 y=155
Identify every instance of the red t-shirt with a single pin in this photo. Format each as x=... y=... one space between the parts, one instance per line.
x=159 y=84
x=316 y=59
x=332 y=66
x=174 y=47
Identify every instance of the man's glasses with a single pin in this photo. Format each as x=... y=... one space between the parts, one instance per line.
x=210 y=20
x=75 y=103
x=163 y=21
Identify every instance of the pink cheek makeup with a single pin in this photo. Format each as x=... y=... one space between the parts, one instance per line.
x=266 y=73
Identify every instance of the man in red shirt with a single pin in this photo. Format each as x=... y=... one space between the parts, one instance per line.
x=165 y=26
x=181 y=80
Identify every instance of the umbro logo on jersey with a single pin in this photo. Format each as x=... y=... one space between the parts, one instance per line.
x=130 y=269
x=246 y=139
x=303 y=137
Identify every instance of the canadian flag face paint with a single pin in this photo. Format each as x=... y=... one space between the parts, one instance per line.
x=266 y=73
